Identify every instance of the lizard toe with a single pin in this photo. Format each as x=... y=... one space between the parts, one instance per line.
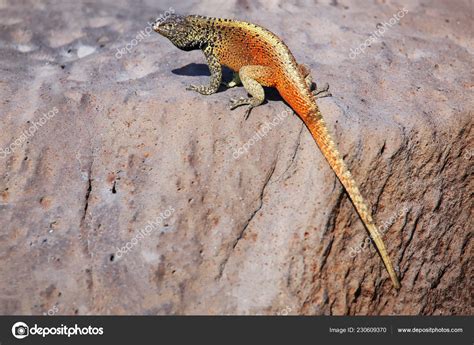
x=234 y=103
x=323 y=88
x=322 y=91
x=322 y=94
x=247 y=112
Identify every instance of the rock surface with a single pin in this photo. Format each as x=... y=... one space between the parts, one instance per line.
x=127 y=157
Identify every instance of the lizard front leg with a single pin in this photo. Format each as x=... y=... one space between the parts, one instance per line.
x=253 y=77
x=216 y=75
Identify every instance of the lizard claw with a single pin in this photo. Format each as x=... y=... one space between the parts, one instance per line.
x=247 y=112
x=234 y=103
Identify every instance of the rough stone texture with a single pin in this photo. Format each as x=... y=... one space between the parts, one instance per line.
x=271 y=232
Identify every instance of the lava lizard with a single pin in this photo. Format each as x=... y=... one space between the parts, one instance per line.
x=259 y=58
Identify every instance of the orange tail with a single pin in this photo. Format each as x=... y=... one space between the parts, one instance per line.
x=320 y=133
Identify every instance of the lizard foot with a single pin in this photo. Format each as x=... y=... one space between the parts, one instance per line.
x=234 y=103
x=322 y=91
x=202 y=89
x=247 y=112
x=243 y=101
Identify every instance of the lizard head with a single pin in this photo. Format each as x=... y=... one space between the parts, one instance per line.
x=179 y=31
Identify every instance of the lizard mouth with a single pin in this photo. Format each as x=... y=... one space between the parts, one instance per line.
x=159 y=28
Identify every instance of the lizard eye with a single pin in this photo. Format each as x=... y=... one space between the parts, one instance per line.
x=168 y=26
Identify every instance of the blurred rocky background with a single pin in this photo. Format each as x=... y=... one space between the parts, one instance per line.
x=122 y=193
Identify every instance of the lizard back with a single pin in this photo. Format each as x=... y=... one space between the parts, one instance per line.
x=237 y=44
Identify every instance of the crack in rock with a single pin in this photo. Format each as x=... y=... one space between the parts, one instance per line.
x=87 y=196
x=248 y=221
x=292 y=160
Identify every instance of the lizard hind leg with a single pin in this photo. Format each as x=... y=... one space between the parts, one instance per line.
x=317 y=91
x=306 y=72
x=253 y=77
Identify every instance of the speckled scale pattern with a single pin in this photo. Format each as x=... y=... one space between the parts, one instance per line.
x=237 y=44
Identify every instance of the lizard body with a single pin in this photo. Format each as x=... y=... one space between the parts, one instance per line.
x=259 y=58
